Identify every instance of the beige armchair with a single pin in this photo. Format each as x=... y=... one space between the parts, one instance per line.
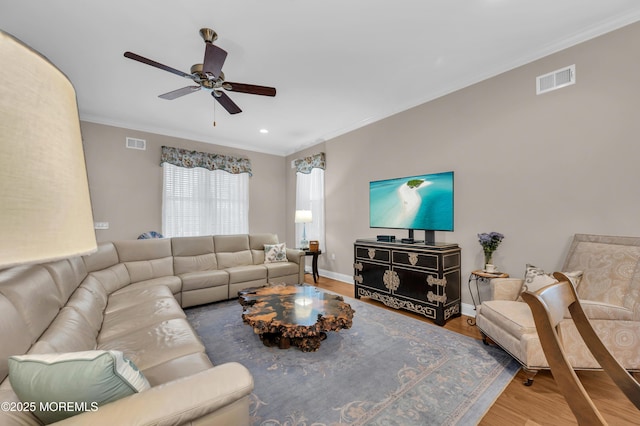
x=606 y=273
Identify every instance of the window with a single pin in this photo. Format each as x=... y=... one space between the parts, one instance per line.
x=310 y=196
x=198 y=201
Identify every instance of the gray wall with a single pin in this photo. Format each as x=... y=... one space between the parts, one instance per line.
x=126 y=184
x=536 y=168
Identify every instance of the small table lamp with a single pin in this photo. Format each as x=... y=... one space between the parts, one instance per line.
x=45 y=208
x=304 y=217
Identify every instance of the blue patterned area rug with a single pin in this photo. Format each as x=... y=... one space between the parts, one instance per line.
x=387 y=369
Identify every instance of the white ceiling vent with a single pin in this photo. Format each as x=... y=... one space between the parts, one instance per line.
x=556 y=80
x=133 y=143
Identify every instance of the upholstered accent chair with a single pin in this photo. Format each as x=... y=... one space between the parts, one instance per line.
x=606 y=275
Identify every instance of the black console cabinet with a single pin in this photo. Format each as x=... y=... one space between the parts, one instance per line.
x=416 y=277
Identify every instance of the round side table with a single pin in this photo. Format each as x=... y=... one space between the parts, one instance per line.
x=483 y=277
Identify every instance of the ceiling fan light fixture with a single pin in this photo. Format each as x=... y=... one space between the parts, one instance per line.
x=264 y=131
x=208 y=35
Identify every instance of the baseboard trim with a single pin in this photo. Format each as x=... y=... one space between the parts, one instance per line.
x=336 y=276
x=468 y=310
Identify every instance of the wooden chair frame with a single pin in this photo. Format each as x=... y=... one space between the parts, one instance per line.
x=548 y=306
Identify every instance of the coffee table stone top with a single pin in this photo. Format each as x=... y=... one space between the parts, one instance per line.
x=298 y=315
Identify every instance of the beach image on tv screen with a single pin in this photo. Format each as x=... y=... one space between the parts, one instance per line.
x=418 y=202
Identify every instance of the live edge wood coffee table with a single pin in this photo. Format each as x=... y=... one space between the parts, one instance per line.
x=298 y=315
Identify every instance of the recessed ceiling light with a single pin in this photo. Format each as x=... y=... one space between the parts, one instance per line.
x=264 y=131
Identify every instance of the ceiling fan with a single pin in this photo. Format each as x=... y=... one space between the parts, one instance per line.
x=208 y=75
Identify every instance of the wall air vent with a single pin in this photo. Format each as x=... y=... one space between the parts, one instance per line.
x=555 y=80
x=133 y=143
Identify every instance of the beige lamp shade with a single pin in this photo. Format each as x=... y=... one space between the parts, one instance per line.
x=45 y=208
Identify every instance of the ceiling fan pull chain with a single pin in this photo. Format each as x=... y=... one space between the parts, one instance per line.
x=214 y=114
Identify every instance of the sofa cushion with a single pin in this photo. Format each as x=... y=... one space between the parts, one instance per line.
x=91 y=378
x=257 y=243
x=126 y=320
x=240 y=274
x=67 y=274
x=15 y=336
x=156 y=344
x=193 y=254
x=177 y=368
x=90 y=305
x=104 y=257
x=174 y=283
x=275 y=253
x=135 y=296
x=204 y=279
x=70 y=332
x=233 y=259
x=514 y=317
x=34 y=294
x=281 y=269
x=140 y=250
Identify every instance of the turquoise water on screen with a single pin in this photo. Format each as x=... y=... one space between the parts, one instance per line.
x=392 y=204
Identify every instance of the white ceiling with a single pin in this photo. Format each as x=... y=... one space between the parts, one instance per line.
x=337 y=64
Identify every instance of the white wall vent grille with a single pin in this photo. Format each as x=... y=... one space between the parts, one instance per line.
x=555 y=80
x=133 y=143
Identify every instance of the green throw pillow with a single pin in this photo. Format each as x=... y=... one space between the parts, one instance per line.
x=61 y=385
x=275 y=253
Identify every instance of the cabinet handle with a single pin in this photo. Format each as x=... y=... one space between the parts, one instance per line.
x=435 y=298
x=371 y=253
x=357 y=266
x=442 y=282
x=391 y=280
x=358 y=279
x=413 y=258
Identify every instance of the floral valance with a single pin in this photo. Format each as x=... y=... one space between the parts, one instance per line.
x=306 y=164
x=190 y=159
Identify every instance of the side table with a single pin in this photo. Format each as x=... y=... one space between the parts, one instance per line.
x=314 y=262
x=484 y=277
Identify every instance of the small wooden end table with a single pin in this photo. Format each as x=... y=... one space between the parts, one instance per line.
x=314 y=262
x=298 y=315
x=484 y=277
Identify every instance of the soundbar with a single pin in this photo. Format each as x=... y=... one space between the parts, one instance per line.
x=387 y=238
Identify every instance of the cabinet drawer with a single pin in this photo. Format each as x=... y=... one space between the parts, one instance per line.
x=420 y=260
x=371 y=253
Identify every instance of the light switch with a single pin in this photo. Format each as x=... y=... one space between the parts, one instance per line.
x=101 y=225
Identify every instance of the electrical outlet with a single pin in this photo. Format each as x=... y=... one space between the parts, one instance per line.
x=100 y=225
x=333 y=256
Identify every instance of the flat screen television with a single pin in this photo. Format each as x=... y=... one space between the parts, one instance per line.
x=423 y=202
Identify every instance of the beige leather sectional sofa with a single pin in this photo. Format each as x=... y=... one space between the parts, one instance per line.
x=128 y=296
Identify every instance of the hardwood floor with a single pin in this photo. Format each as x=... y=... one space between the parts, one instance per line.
x=539 y=404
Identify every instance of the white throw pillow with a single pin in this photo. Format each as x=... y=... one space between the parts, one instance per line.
x=61 y=385
x=535 y=279
x=275 y=253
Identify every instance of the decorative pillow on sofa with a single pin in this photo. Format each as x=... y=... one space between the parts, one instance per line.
x=61 y=385
x=535 y=279
x=275 y=253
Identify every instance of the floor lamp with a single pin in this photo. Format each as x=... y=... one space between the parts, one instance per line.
x=45 y=209
x=303 y=217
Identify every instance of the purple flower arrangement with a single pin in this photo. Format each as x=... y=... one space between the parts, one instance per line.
x=489 y=242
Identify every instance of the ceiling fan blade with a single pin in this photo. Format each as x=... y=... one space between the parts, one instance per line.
x=180 y=92
x=153 y=63
x=226 y=102
x=250 y=88
x=214 y=58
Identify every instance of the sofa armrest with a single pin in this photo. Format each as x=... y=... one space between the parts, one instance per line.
x=506 y=288
x=177 y=402
x=295 y=255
